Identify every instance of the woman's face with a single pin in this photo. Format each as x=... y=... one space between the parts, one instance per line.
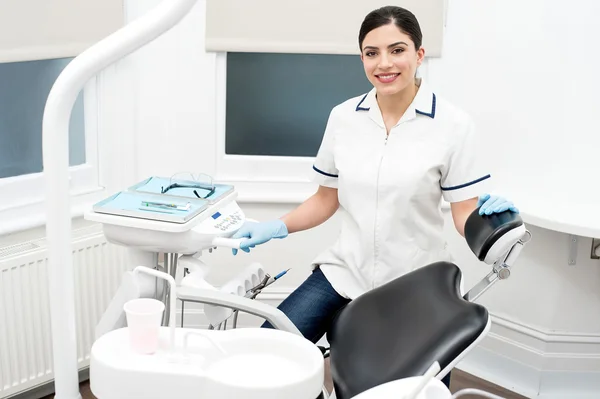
x=390 y=59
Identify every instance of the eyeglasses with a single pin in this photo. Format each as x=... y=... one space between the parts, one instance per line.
x=211 y=190
x=189 y=180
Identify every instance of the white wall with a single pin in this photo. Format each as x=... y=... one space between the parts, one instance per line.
x=547 y=317
x=523 y=69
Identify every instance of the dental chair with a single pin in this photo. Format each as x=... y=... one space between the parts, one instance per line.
x=382 y=344
x=398 y=330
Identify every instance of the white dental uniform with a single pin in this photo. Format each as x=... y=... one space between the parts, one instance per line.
x=390 y=187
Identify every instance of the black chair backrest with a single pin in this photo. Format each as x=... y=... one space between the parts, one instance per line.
x=399 y=329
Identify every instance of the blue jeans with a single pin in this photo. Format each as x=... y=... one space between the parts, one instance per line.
x=312 y=306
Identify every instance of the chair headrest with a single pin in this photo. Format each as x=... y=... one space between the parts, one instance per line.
x=490 y=236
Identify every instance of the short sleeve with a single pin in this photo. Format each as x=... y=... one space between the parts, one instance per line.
x=324 y=171
x=464 y=175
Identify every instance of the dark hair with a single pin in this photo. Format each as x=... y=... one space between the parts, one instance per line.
x=402 y=18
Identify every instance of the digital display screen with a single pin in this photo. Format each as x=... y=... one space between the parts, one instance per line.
x=216 y=215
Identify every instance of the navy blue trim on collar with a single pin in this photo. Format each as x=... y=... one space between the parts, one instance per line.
x=324 y=173
x=359 y=108
x=432 y=114
x=466 y=184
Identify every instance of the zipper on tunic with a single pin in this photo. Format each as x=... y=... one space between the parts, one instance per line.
x=375 y=246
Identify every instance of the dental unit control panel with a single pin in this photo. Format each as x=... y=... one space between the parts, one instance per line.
x=228 y=219
x=225 y=224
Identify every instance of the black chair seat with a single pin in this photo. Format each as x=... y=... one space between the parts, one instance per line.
x=399 y=329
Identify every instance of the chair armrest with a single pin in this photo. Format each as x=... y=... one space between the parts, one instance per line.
x=492 y=236
x=495 y=239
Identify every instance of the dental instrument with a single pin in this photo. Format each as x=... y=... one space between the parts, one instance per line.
x=185 y=207
x=281 y=274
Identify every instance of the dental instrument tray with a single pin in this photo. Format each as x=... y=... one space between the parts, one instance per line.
x=152 y=207
x=179 y=188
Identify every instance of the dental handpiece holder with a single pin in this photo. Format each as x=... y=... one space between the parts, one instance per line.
x=241 y=285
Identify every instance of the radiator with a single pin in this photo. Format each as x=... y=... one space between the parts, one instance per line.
x=25 y=337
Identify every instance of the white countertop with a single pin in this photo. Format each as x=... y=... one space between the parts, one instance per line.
x=579 y=217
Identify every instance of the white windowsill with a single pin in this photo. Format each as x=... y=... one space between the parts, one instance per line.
x=32 y=215
x=271 y=191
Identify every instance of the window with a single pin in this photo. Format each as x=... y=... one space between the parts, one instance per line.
x=272 y=110
x=278 y=104
x=24 y=88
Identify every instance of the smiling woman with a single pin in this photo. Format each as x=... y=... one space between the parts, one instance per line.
x=391 y=54
x=386 y=160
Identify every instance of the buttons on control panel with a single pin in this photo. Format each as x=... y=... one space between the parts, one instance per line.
x=225 y=223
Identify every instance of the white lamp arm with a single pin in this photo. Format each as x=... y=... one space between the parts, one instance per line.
x=55 y=151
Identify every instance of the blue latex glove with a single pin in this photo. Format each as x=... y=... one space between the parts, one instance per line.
x=494 y=204
x=259 y=233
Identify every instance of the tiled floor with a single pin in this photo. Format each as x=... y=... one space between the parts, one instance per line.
x=460 y=380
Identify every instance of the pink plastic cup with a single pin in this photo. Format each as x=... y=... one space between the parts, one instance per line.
x=144 y=317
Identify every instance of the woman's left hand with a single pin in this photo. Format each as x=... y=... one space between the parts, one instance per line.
x=494 y=204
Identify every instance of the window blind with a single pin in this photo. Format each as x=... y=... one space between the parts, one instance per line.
x=47 y=29
x=307 y=26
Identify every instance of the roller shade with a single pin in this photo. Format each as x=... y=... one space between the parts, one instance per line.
x=307 y=26
x=45 y=29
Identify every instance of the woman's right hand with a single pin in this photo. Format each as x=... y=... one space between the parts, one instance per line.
x=312 y=212
x=259 y=233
